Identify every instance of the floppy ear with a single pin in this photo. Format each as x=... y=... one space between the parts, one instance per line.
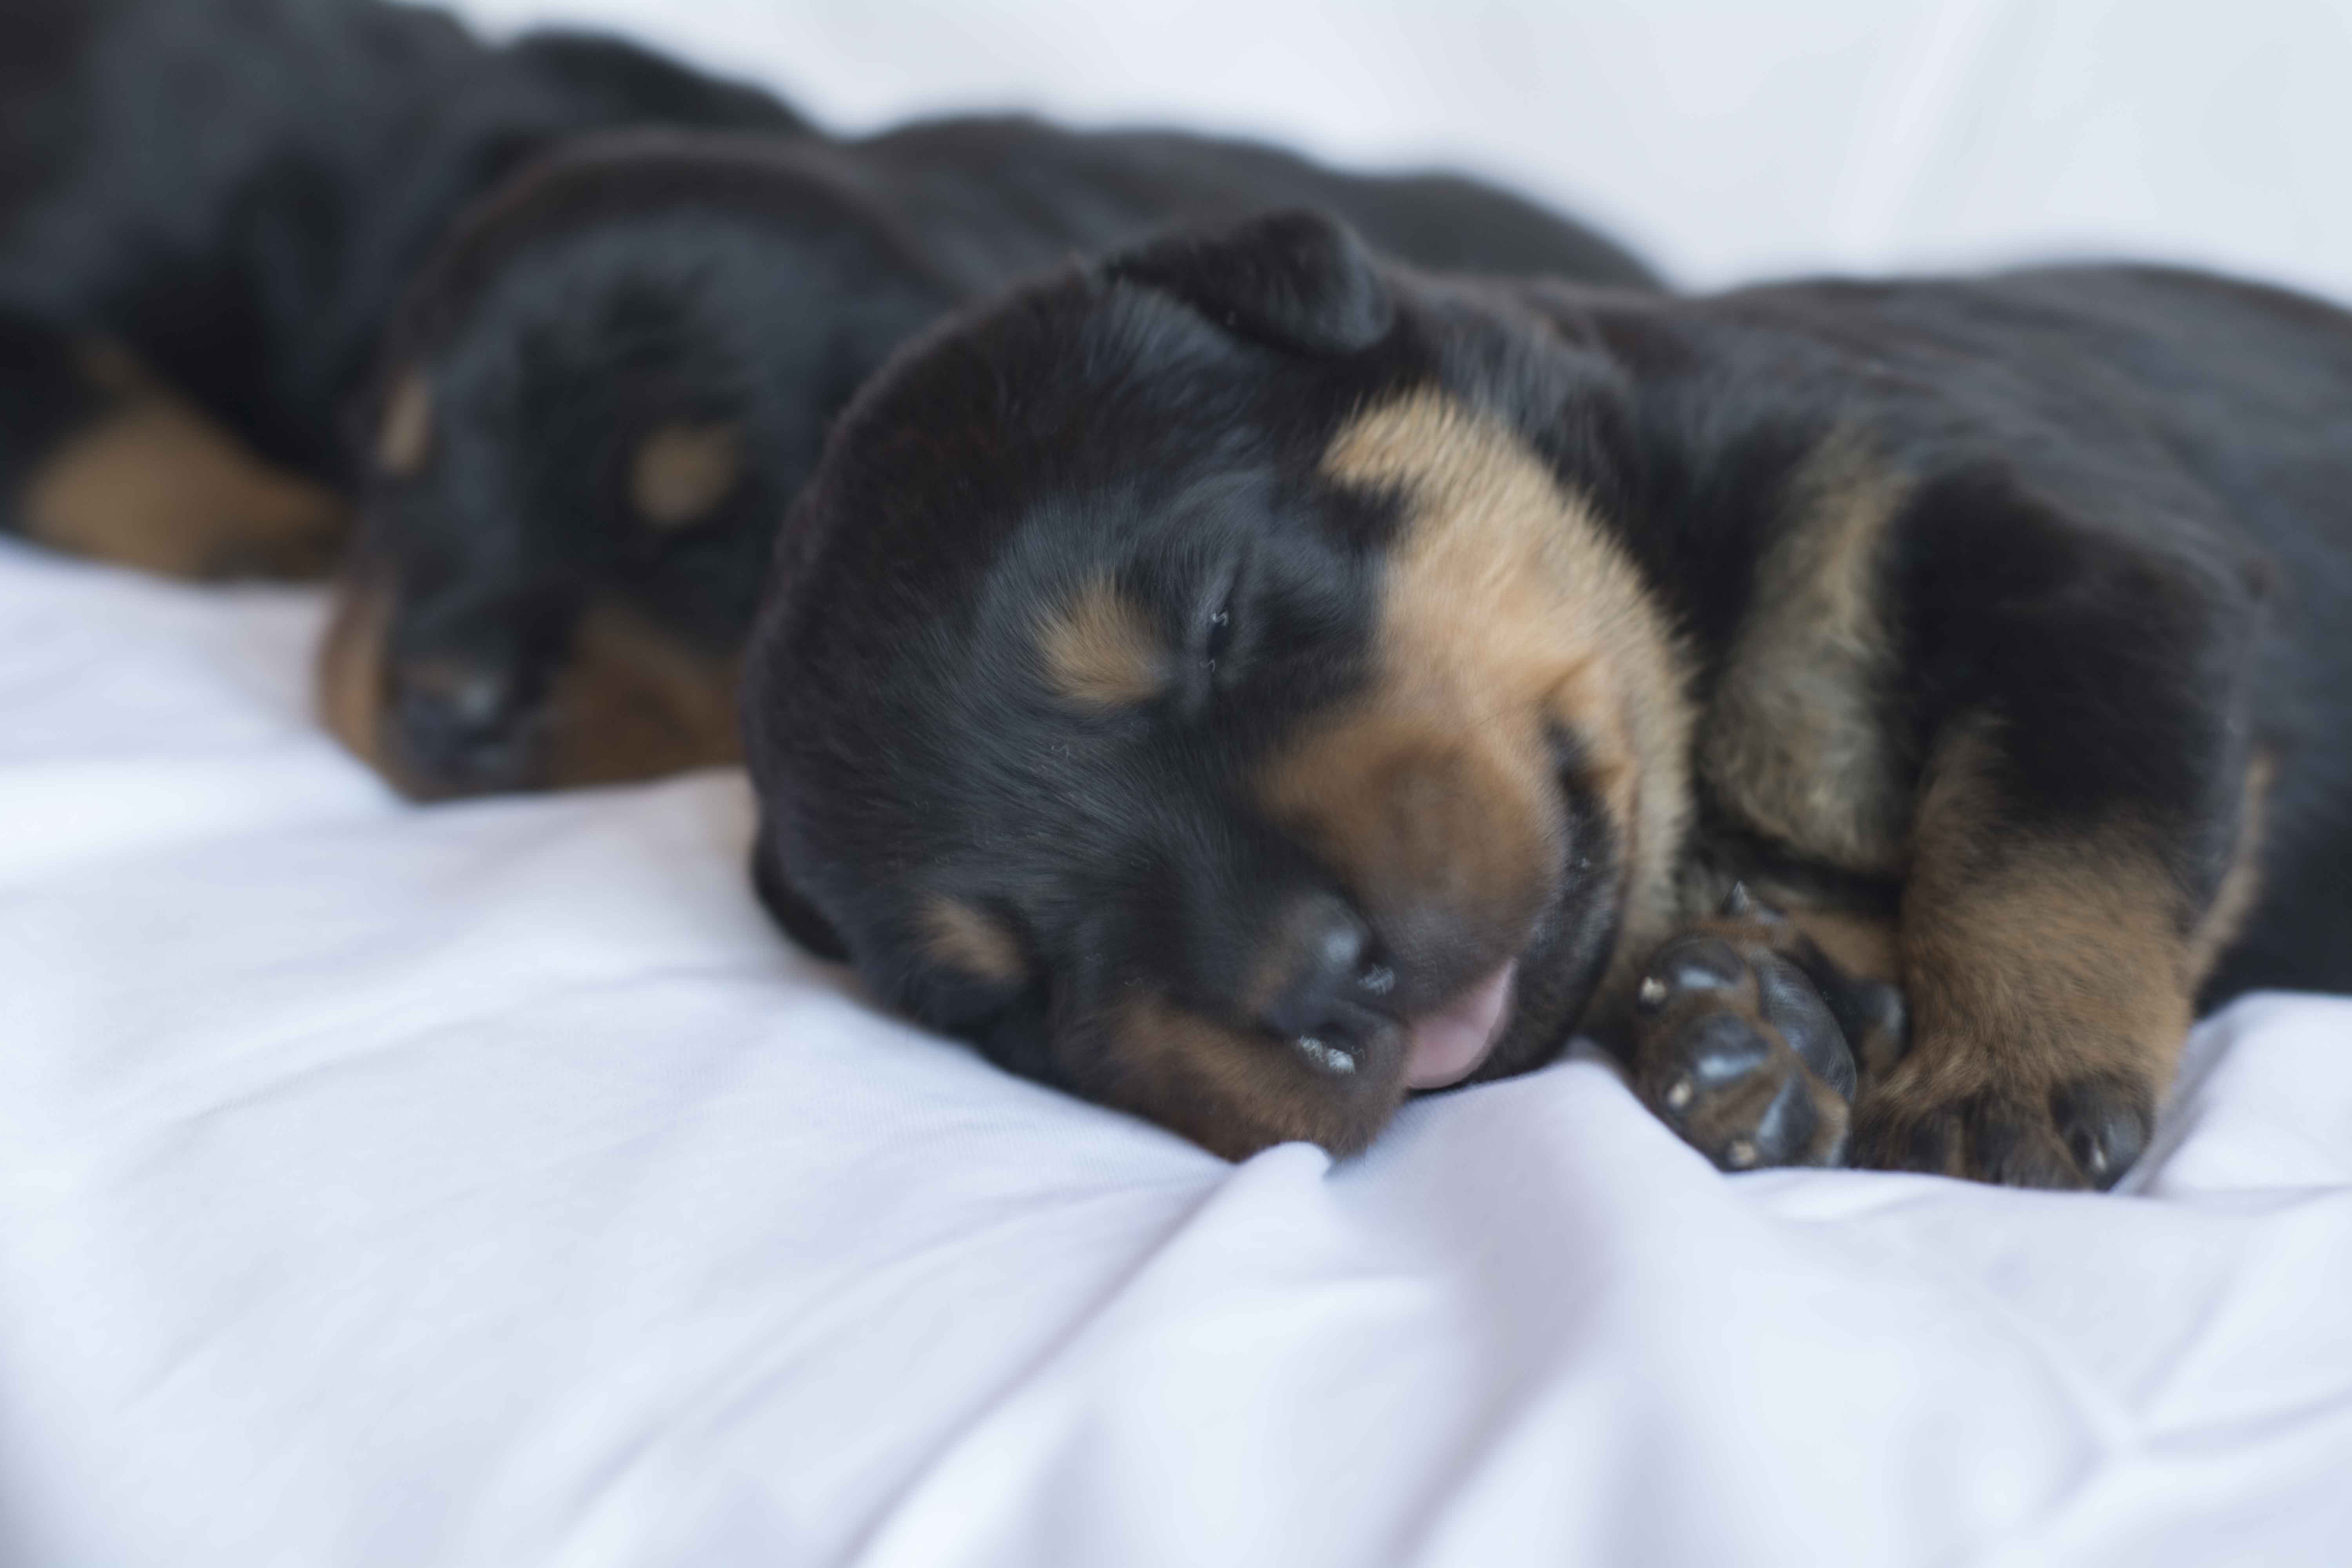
x=1298 y=278
x=785 y=906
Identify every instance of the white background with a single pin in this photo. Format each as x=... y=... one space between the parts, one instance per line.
x=1731 y=139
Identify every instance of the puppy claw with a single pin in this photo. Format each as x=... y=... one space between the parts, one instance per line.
x=2084 y=1135
x=2089 y=1155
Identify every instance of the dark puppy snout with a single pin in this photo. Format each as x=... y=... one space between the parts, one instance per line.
x=461 y=721
x=1318 y=975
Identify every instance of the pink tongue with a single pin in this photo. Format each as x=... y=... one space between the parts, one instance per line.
x=1448 y=1046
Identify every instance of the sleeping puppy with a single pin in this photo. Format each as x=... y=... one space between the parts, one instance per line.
x=1245 y=684
x=207 y=208
x=604 y=391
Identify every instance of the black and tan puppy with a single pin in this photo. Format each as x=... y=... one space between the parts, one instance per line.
x=1243 y=683
x=605 y=390
x=207 y=209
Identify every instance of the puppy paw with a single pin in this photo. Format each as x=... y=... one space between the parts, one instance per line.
x=1736 y=1050
x=2079 y=1134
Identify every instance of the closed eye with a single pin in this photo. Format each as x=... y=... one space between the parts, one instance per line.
x=1215 y=641
x=1221 y=634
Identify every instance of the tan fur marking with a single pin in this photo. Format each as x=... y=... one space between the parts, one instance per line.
x=1505 y=606
x=404 y=442
x=2234 y=901
x=1793 y=741
x=1862 y=941
x=1864 y=946
x=965 y=938
x=1098 y=650
x=157 y=484
x=350 y=669
x=681 y=471
x=634 y=702
x=2031 y=962
x=1232 y=1094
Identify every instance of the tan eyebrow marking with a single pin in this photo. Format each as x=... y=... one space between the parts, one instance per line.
x=1099 y=651
x=967 y=938
x=681 y=471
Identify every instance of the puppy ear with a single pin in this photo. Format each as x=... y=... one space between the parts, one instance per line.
x=785 y=906
x=1298 y=278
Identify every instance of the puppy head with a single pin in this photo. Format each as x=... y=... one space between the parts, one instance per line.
x=595 y=406
x=1185 y=683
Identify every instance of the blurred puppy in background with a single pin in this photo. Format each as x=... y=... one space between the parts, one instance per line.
x=207 y=209
x=1246 y=683
x=602 y=394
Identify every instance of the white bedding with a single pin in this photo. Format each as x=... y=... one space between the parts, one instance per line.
x=488 y=1186
x=485 y=1184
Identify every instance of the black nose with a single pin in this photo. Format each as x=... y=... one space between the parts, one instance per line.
x=462 y=723
x=1317 y=973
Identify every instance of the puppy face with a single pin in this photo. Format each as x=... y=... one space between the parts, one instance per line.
x=594 y=408
x=1189 y=693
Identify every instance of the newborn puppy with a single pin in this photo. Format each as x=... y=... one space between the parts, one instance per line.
x=207 y=208
x=1247 y=683
x=605 y=390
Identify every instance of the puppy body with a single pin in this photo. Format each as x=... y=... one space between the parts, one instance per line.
x=1274 y=654
x=607 y=387
x=207 y=208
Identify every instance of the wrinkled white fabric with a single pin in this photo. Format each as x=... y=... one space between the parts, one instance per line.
x=486 y=1185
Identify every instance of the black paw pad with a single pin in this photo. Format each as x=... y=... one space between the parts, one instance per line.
x=1722 y=1048
x=1735 y=1050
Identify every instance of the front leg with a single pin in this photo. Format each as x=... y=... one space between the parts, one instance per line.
x=2051 y=975
x=99 y=458
x=2084 y=832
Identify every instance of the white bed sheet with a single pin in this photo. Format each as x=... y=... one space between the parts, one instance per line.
x=488 y=1186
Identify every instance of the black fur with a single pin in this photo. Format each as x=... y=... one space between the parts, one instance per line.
x=2125 y=539
x=2129 y=538
x=235 y=190
x=640 y=282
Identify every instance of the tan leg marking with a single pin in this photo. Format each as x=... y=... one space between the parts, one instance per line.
x=1793 y=739
x=157 y=484
x=1864 y=946
x=2030 y=964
